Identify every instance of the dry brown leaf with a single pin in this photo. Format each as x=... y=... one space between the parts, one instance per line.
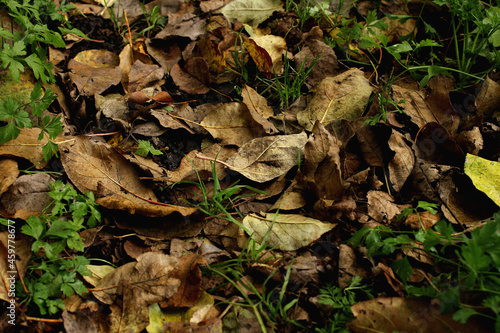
x=289 y=231
x=381 y=207
x=189 y=291
x=488 y=98
x=27 y=146
x=294 y=197
x=260 y=56
x=8 y=174
x=322 y=167
x=414 y=105
x=198 y=68
x=341 y=97
x=190 y=163
x=259 y=109
x=23 y=255
x=390 y=314
x=401 y=165
x=142 y=76
x=350 y=266
x=187 y=82
x=28 y=195
x=167 y=54
x=152 y=279
x=94 y=71
x=97 y=167
x=189 y=25
x=326 y=60
x=233 y=124
x=266 y=158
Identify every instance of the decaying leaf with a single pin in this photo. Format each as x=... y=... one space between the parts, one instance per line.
x=259 y=109
x=322 y=164
x=289 y=231
x=401 y=165
x=381 y=207
x=187 y=82
x=23 y=256
x=253 y=12
x=485 y=175
x=8 y=174
x=94 y=71
x=488 y=98
x=341 y=97
x=392 y=314
x=28 y=195
x=27 y=146
x=97 y=167
x=266 y=158
x=275 y=46
x=233 y=124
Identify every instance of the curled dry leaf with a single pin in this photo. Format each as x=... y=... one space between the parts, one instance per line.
x=266 y=158
x=143 y=75
x=381 y=207
x=488 y=99
x=341 y=97
x=23 y=257
x=259 y=109
x=275 y=46
x=8 y=174
x=187 y=82
x=322 y=167
x=233 y=124
x=390 y=314
x=94 y=71
x=289 y=231
x=401 y=165
x=97 y=167
x=28 y=195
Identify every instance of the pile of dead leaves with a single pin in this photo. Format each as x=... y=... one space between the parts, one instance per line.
x=316 y=161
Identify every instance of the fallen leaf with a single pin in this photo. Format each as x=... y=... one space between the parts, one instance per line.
x=289 y=232
x=188 y=25
x=401 y=165
x=390 y=314
x=189 y=273
x=266 y=158
x=192 y=167
x=233 y=124
x=260 y=56
x=187 y=82
x=28 y=195
x=252 y=12
x=143 y=75
x=27 y=146
x=259 y=109
x=322 y=55
x=23 y=255
x=275 y=46
x=94 y=71
x=8 y=174
x=322 y=167
x=485 y=175
x=381 y=207
x=97 y=167
x=335 y=98
x=488 y=98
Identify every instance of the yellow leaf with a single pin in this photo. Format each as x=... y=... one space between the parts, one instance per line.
x=485 y=175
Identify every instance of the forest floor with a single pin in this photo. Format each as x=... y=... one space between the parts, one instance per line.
x=250 y=166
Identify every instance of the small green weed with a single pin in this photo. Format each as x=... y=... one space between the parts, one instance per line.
x=16 y=117
x=50 y=275
x=468 y=281
x=341 y=301
x=27 y=48
x=145 y=148
x=286 y=88
x=386 y=103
